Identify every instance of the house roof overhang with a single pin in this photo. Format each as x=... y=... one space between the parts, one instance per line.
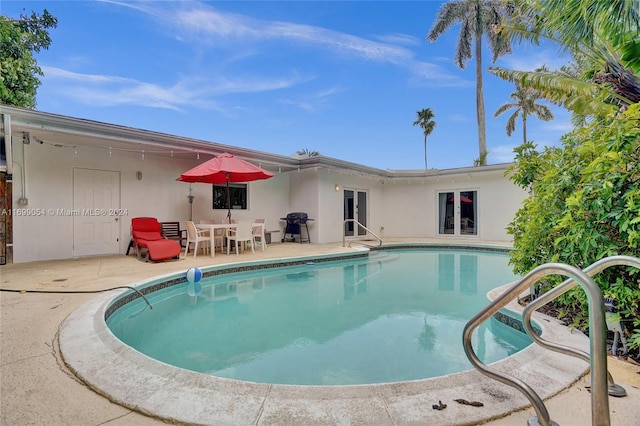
x=71 y=132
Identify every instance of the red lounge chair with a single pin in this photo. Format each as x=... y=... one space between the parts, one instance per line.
x=146 y=233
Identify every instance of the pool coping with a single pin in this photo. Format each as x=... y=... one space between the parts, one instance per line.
x=136 y=381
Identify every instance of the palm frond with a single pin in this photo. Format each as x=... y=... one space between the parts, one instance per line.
x=463 y=45
x=511 y=122
x=449 y=14
x=504 y=108
x=602 y=34
x=574 y=94
x=542 y=112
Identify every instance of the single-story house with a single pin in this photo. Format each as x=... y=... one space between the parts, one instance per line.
x=69 y=188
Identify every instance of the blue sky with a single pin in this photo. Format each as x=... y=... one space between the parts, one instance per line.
x=341 y=78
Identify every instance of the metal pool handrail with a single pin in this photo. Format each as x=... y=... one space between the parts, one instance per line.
x=361 y=225
x=597 y=342
x=595 y=268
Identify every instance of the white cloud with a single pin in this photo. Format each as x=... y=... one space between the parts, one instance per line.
x=214 y=27
x=397 y=38
x=82 y=78
x=314 y=101
x=529 y=60
x=206 y=25
x=557 y=126
x=461 y=118
x=430 y=74
x=107 y=90
x=501 y=154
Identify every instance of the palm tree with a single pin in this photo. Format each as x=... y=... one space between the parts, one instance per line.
x=425 y=120
x=307 y=153
x=524 y=104
x=477 y=18
x=602 y=37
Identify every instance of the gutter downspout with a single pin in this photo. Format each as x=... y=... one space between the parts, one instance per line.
x=6 y=122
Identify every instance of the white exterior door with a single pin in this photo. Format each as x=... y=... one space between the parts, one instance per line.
x=96 y=203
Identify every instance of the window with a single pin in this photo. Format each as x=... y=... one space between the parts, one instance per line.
x=237 y=196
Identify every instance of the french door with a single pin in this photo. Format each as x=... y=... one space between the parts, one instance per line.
x=458 y=213
x=355 y=207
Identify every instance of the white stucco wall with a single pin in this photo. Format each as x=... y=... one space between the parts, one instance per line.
x=410 y=208
x=407 y=210
x=303 y=197
x=313 y=191
x=396 y=207
x=49 y=185
x=330 y=207
x=499 y=200
x=332 y=202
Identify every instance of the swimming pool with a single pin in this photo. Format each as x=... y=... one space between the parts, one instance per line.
x=176 y=395
x=392 y=316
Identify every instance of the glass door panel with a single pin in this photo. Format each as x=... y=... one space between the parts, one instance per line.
x=349 y=212
x=446 y=213
x=457 y=213
x=468 y=211
x=355 y=207
x=361 y=208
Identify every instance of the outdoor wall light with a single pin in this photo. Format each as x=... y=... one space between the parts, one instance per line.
x=337 y=187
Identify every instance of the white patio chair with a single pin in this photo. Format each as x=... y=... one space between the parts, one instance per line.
x=196 y=236
x=242 y=233
x=258 y=233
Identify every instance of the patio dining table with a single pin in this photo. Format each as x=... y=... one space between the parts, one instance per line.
x=211 y=227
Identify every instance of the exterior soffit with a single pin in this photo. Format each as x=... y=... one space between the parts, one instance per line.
x=70 y=132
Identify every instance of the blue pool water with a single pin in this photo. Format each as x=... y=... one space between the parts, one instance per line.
x=395 y=316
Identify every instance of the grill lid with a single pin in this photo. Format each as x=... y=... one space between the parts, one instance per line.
x=297 y=218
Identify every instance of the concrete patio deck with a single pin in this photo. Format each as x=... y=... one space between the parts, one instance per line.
x=38 y=388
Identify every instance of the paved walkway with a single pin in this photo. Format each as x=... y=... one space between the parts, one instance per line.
x=37 y=388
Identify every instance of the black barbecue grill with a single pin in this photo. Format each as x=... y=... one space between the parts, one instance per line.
x=295 y=222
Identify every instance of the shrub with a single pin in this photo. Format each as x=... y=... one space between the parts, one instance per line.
x=584 y=205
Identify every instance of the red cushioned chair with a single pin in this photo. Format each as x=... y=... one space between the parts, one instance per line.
x=148 y=242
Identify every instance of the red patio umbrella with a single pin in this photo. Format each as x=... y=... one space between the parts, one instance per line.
x=225 y=168
x=463 y=199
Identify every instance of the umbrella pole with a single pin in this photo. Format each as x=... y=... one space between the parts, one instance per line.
x=190 y=197
x=228 y=201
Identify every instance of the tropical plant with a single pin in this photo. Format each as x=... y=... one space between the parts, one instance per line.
x=307 y=153
x=585 y=206
x=524 y=104
x=584 y=197
x=481 y=160
x=19 y=39
x=477 y=18
x=425 y=121
x=602 y=37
